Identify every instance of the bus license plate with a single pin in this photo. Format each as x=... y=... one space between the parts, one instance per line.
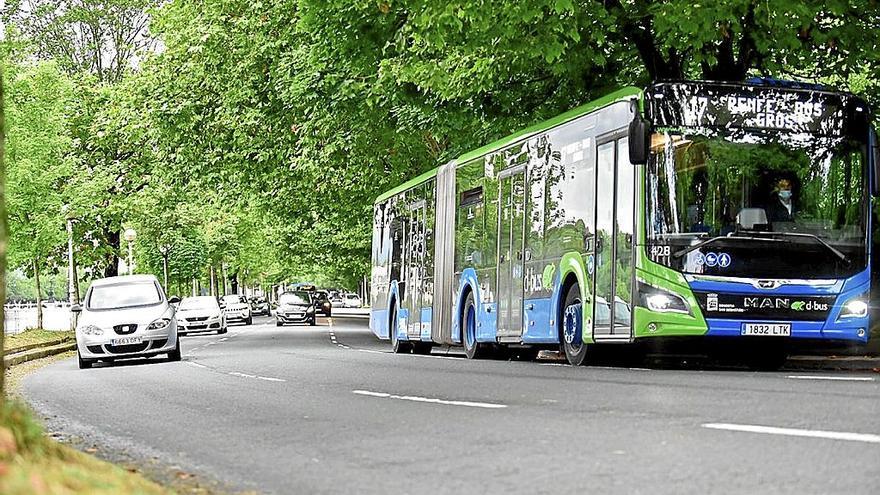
x=767 y=329
x=126 y=341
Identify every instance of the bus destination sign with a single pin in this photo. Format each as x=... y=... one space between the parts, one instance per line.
x=731 y=106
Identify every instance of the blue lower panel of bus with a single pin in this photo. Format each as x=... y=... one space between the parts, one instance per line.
x=379 y=323
x=536 y=322
x=425 y=332
x=799 y=329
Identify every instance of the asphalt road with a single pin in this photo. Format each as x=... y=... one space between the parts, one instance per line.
x=328 y=409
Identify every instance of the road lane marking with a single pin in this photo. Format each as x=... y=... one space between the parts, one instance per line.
x=832 y=378
x=795 y=432
x=270 y=379
x=382 y=395
x=197 y=365
x=243 y=375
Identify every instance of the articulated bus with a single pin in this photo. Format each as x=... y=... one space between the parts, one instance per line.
x=733 y=212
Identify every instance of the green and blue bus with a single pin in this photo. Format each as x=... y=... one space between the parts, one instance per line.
x=738 y=212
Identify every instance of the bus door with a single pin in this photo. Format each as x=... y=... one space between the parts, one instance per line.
x=511 y=231
x=615 y=219
x=416 y=264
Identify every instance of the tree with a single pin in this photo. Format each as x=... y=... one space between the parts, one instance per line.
x=38 y=158
x=3 y=228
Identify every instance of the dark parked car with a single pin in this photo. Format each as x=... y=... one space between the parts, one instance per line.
x=295 y=307
x=322 y=302
x=260 y=306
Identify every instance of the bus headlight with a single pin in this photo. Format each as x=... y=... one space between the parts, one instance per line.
x=662 y=301
x=855 y=308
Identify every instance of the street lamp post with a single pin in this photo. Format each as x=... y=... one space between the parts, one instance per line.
x=130 y=235
x=165 y=249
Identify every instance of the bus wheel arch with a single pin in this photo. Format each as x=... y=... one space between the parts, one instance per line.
x=570 y=321
x=468 y=325
x=397 y=346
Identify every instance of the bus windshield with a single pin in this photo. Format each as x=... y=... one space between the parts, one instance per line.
x=757 y=204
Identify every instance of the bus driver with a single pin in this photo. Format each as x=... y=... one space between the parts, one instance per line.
x=781 y=207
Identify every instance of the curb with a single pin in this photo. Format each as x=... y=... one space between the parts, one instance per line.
x=23 y=357
x=844 y=363
x=27 y=347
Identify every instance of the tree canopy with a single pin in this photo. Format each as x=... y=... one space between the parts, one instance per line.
x=256 y=134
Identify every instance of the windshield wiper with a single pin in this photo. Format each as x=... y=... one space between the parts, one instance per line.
x=814 y=237
x=679 y=254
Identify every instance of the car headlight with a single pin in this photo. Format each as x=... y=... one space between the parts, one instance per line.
x=159 y=324
x=91 y=330
x=855 y=308
x=662 y=301
x=310 y=310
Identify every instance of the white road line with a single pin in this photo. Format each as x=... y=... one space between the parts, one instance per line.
x=371 y=351
x=224 y=339
x=270 y=379
x=832 y=378
x=243 y=375
x=794 y=432
x=197 y=365
x=382 y=395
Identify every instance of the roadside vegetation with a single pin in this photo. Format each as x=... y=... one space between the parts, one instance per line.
x=32 y=464
x=35 y=337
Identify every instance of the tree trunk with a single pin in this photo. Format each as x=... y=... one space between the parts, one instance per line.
x=39 y=295
x=113 y=238
x=2 y=238
x=213 y=282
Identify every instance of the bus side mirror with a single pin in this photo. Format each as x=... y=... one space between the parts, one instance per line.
x=874 y=149
x=639 y=140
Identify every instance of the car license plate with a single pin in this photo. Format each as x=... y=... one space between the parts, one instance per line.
x=767 y=329
x=126 y=341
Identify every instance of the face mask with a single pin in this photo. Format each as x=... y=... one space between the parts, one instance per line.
x=785 y=194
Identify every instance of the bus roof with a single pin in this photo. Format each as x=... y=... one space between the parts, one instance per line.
x=619 y=95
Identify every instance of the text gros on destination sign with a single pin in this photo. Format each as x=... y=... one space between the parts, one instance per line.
x=747 y=107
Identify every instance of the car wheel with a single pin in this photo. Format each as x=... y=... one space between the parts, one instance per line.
x=472 y=348
x=222 y=331
x=250 y=320
x=572 y=336
x=312 y=322
x=175 y=354
x=278 y=323
x=84 y=364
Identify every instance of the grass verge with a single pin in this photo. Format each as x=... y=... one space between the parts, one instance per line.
x=29 y=337
x=31 y=463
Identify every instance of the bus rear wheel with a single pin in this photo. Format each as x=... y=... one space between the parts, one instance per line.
x=572 y=325
x=397 y=346
x=472 y=348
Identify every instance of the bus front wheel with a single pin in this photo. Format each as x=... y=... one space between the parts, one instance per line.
x=572 y=331
x=472 y=348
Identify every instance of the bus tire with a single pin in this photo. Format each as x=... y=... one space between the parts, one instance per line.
x=571 y=328
x=472 y=348
x=397 y=346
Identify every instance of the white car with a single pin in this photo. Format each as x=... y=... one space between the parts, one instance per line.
x=200 y=314
x=351 y=301
x=124 y=317
x=237 y=308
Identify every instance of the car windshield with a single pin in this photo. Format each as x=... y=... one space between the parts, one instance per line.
x=198 y=303
x=765 y=204
x=292 y=299
x=232 y=300
x=128 y=295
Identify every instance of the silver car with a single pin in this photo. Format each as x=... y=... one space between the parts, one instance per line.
x=200 y=314
x=124 y=317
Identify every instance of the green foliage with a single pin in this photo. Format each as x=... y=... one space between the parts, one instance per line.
x=261 y=132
